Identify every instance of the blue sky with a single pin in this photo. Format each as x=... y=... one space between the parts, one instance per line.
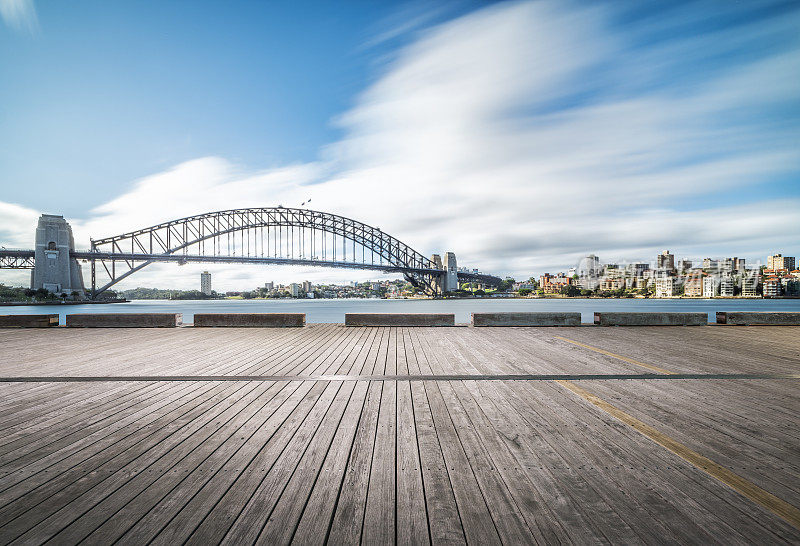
x=521 y=135
x=102 y=93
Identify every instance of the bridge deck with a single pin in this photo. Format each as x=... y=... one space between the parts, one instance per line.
x=194 y=455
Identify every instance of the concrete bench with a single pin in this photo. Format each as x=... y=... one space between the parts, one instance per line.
x=125 y=320
x=249 y=320
x=758 y=319
x=651 y=319
x=28 y=321
x=399 y=319
x=526 y=319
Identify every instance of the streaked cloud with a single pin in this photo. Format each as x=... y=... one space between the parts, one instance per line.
x=20 y=15
x=525 y=135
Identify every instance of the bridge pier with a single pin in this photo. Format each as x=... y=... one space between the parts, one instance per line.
x=448 y=281
x=55 y=270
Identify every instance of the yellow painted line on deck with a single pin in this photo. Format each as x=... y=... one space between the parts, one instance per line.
x=614 y=355
x=777 y=506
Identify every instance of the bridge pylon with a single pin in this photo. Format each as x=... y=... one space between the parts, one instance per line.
x=55 y=269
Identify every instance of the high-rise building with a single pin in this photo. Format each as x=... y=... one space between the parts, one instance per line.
x=589 y=271
x=684 y=265
x=738 y=264
x=776 y=261
x=709 y=287
x=306 y=286
x=665 y=260
x=772 y=287
x=638 y=269
x=269 y=286
x=294 y=290
x=726 y=286
x=205 y=283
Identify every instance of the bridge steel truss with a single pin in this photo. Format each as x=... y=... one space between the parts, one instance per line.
x=17 y=259
x=274 y=235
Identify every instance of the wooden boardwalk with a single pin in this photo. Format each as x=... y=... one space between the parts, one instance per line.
x=241 y=436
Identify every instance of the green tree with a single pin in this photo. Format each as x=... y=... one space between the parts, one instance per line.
x=570 y=290
x=506 y=284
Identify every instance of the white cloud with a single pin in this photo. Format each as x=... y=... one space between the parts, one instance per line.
x=20 y=15
x=18 y=226
x=522 y=136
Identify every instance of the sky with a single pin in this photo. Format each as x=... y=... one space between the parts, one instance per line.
x=520 y=135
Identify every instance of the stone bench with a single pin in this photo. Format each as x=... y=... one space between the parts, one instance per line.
x=651 y=319
x=526 y=319
x=744 y=318
x=125 y=320
x=249 y=320
x=28 y=321
x=399 y=319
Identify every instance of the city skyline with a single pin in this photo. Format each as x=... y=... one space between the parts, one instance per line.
x=518 y=135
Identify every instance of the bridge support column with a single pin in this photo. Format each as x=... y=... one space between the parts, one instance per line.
x=55 y=270
x=449 y=281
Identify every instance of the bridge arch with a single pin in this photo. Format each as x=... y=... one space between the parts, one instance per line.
x=293 y=236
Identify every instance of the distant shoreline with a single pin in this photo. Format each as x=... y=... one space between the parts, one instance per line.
x=59 y=302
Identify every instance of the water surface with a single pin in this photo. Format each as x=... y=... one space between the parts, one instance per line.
x=334 y=310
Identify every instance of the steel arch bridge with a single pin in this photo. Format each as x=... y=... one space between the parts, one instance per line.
x=273 y=235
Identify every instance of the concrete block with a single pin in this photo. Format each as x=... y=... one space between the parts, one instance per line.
x=399 y=319
x=125 y=320
x=249 y=320
x=746 y=318
x=526 y=319
x=651 y=319
x=28 y=321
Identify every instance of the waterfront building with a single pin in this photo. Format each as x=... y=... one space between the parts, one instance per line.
x=777 y=261
x=589 y=271
x=665 y=261
x=738 y=264
x=791 y=286
x=684 y=265
x=726 y=286
x=205 y=283
x=612 y=283
x=772 y=287
x=693 y=287
x=294 y=290
x=665 y=287
x=306 y=286
x=709 y=287
x=750 y=280
x=269 y=286
x=552 y=284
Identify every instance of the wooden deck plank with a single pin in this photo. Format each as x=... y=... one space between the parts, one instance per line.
x=214 y=526
x=317 y=514
x=413 y=460
x=251 y=520
x=348 y=517
x=166 y=499
x=282 y=523
x=57 y=512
